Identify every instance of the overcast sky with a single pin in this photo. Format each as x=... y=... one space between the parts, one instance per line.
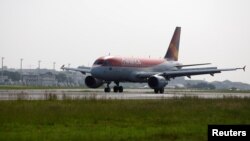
x=79 y=31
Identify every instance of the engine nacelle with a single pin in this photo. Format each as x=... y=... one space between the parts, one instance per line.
x=157 y=82
x=92 y=82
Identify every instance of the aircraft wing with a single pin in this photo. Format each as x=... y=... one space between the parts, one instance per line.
x=186 y=72
x=83 y=70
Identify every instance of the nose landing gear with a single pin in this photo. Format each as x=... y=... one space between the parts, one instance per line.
x=107 y=89
x=161 y=90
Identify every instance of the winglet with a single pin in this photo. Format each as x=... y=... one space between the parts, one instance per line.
x=62 y=67
x=243 y=68
x=173 y=48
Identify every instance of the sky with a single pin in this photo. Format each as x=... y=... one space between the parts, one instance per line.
x=76 y=32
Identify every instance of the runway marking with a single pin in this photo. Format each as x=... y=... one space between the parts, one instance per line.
x=61 y=94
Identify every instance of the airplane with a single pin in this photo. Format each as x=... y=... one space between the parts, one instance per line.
x=155 y=72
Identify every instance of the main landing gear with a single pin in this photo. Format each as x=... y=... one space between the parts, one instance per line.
x=116 y=88
x=161 y=90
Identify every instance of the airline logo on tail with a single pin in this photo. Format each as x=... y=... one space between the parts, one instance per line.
x=173 y=49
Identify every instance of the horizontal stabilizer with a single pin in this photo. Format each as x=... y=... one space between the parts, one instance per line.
x=189 y=65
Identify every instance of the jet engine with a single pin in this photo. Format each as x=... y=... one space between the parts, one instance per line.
x=92 y=82
x=157 y=82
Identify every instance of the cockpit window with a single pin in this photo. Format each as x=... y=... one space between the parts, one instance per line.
x=99 y=62
x=102 y=62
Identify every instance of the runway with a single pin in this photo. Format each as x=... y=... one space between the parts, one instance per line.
x=61 y=94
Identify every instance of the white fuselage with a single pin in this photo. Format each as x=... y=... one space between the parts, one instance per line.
x=128 y=74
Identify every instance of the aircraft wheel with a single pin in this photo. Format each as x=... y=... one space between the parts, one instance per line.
x=120 y=89
x=161 y=90
x=107 y=90
x=156 y=91
x=116 y=89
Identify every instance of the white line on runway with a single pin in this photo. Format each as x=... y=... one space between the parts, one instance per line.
x=61 y=94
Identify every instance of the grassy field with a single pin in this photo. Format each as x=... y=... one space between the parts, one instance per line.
x=174 y=120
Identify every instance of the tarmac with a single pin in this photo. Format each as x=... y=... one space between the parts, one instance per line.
x=63 y=94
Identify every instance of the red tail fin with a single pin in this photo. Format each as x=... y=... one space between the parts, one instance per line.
x=173 y=48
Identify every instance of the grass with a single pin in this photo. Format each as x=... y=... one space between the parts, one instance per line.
x=99 y=120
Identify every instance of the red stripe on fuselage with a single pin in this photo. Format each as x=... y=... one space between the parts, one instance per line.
x=129 y=62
